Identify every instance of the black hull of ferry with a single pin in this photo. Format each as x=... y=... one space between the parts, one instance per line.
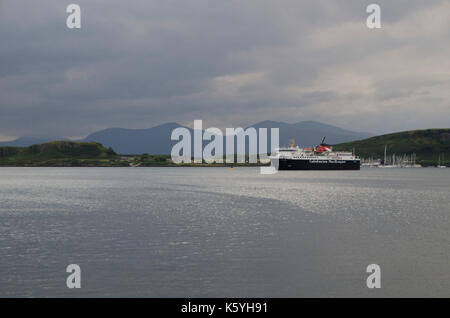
x=306 y=164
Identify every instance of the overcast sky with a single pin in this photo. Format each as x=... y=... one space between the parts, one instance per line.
x=136 y=64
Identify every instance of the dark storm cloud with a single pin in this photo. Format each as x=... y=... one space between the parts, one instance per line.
x=140 y=63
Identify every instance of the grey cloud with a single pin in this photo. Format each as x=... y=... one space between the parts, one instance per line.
x=141 y=63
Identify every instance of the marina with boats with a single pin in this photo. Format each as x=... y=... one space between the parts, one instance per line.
x=395 y=161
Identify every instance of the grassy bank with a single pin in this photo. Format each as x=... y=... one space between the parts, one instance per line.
x=60 y=154
x=427 y=144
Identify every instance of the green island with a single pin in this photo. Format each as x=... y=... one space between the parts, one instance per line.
x=60 y=154
x=429 y=146
x=87 y=154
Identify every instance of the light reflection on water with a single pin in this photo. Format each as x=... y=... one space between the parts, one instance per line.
x=198 y=232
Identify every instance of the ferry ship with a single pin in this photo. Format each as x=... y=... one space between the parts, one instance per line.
x=321 y=157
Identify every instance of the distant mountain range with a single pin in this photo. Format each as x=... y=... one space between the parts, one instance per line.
x=156 y=140
x=310 y=133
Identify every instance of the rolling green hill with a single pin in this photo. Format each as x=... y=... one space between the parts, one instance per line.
x=60 y=153
x=427 y=144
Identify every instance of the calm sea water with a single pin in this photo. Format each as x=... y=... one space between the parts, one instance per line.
x=217 y=232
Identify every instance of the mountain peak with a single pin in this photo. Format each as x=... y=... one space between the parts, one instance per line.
x=157 y=139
